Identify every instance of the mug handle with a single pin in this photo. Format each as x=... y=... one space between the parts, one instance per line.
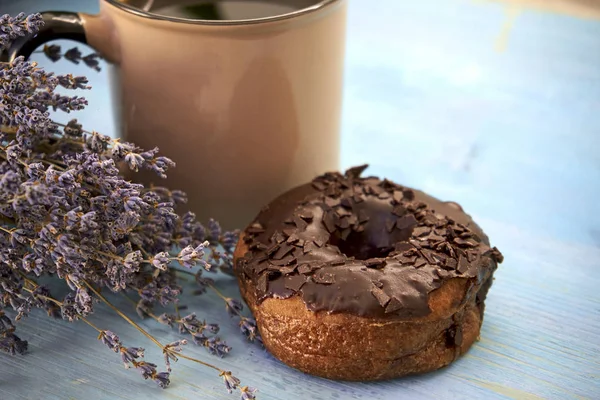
x=83 y=28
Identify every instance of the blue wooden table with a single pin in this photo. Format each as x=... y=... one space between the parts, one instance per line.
x=495 y=105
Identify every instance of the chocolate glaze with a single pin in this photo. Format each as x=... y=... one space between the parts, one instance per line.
x=364 y=246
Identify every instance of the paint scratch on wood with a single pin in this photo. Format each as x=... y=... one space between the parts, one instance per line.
x=501 y=389
x=524 y=374
x=584 y=9
x=511 y=12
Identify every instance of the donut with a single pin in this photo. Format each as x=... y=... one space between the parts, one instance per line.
x=359 y=278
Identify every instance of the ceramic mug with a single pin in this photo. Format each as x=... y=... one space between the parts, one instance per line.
x=246 y=108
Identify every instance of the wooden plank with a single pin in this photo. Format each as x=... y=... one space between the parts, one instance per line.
x=468 y=100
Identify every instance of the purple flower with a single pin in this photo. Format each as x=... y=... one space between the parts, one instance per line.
x=148 y=370
x=212 y=328
x=132 y=260
x=233 y=306
x=68 y=213
x=91 y=60
x=73 y=82
x=179 y=197
x=189 y=324
x=170 y=349
x=130 y=354
x=167 y=319
x=134 y=160
x=177 y=345
x=20 y=25
x=231 y=382
x=73 y=55
x=6 y=324
x=214 y=229
x=248 y=328
x=88 y=222
x=111 y=340
x=229 y=240
x=73 y=128
x=217 y=347
x=200 y=338
x=12 y=344
x=134 y=203
x=162 y=379
x=160 y=165
x=190 y=256
x=83 y=301
x=68 y=309
x=52 y=52
x=247 y=393
x=161 y=260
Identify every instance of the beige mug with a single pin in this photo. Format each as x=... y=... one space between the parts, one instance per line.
x=247 y=108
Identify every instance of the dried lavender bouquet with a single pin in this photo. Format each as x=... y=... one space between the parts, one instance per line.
x=67 y=212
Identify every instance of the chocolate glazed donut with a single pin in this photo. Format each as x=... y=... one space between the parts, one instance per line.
x=363 y=279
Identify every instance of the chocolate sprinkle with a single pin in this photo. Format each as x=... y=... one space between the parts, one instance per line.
x=355 y=172
x=345 y=236
x=393 y=305
x=407 y=221
x=389 y=224
x=329 y=222
x=295 y=282
x=421 y=231
x=305 y=269
x=378 y=284
x=397 y=196
x=323 y=277
x=284 y=250
x=463 y=265
x=284 y=261
x=381 y=297
x=399 y=211
x=262 y=283
x=375 y=263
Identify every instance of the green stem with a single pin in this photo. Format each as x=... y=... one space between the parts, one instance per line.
x=149 y=336
x=125 y=317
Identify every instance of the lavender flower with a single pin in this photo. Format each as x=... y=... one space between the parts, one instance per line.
x=231 y=382
x=67 y=212
x=167 y=319
x=189 y=324
x=162 y=379
x=214 y=229
x=190 y=256
x=130 y=354
x=233 y=306
x=248 y=328
x=12 y=344
x=217 y=347
x=53 y=52
x=170 y=350
x=148 y=370
x=20 y=25
x=247 y=393
x=161 y=260
x=212 y=328
x=111 y=340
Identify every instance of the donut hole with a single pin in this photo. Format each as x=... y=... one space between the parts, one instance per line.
x=358 y=246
